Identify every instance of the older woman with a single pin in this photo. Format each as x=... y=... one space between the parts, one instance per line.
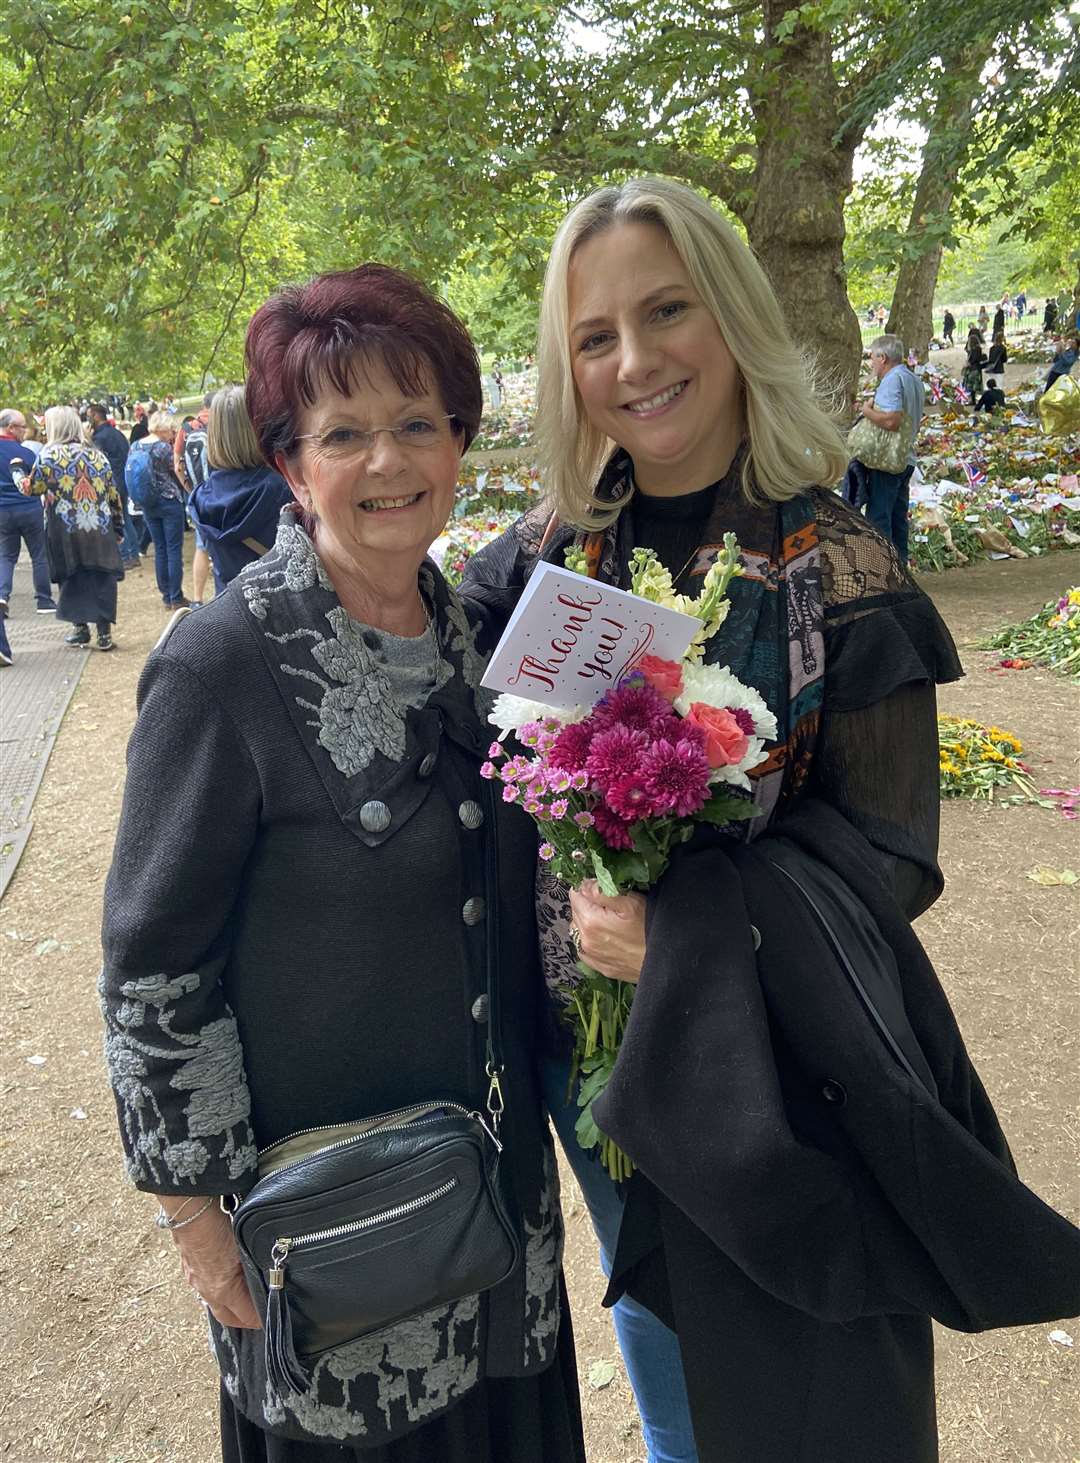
x=305 y=907
x=236 y=506
x=163 y=511
x=84 y=526
x=795 y=1242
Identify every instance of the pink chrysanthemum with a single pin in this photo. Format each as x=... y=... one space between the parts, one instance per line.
x=547 y=852
x=743 y=718
x=488 y=771
x=612 y=830
x=615 y=754
x=676 y=777
x=559 y=808
x=635 y=706
x=571 y=746
x=631 y=799
x=496 y=750
x=510 y=793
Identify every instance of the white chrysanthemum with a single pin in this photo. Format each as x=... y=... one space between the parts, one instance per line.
x=716 y=686
x=510 y=713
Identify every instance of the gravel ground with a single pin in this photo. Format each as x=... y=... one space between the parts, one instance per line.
x=103 y=1354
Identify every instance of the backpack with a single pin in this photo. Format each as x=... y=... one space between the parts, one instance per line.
x=194 y=453
x=138 y=477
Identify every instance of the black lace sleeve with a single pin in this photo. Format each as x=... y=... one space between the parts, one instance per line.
x=886 y=649
x=495 y=576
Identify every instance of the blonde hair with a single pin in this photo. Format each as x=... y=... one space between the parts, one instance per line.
x=63 y=425
x=162 y=421
x=792 y=441
x=230 y=437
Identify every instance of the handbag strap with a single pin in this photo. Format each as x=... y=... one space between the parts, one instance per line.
x=493 y=1054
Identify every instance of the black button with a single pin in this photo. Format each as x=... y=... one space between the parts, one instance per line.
x=480 y=1009
x=834 y=1092
x=427 y=766
x=755 y=935
x=471 y=814
x=375 y=817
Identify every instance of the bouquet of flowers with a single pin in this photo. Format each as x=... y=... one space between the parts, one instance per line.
x=615 y=786
x=1051 y=637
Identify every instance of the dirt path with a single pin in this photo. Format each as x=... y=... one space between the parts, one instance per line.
x=103 y=1354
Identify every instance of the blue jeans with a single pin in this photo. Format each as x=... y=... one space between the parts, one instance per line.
x=166 y=525
x=129 y=548
x=887 y=505
x=649 y=1349
x=24 y=523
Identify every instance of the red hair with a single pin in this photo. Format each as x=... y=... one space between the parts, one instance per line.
x=309 y=336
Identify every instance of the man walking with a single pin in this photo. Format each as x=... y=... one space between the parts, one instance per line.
x=189 y=460
x=21 y=520
x=114 y=444
x=899 y=394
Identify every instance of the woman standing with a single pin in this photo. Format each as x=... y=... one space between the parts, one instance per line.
x=972 y=377
x=319 y=912
x=236 y=506
x=163 y=513
x=673 y=407
x=998 y=355
x=84 y=526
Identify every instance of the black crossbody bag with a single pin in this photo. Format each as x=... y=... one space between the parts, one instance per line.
x=354 y=1227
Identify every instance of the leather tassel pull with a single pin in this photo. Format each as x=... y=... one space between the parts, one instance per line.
x=282 y=1366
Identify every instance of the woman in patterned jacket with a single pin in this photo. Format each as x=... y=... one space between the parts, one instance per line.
x=307 y=890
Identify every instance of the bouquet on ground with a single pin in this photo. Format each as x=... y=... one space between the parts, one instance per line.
x=616 y=785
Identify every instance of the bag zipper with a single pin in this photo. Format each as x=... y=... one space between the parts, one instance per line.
x=382 y=1127
x=287 y=1243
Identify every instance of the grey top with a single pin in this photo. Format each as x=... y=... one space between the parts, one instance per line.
x=408 y=661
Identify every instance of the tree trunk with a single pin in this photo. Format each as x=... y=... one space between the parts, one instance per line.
x=803 y=178
x=944 y=154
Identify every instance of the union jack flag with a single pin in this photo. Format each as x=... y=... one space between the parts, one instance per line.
x=936 y=392
x=963 y=395
x=974 y=474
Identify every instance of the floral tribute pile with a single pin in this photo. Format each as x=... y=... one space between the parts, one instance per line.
x=978 y=762
x=993 y=488
x=615 y=786
x=1050 y=638
x=510 y=424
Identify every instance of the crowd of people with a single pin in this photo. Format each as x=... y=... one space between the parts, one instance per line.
x=88 y=501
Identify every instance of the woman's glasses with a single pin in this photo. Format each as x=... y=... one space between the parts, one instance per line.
x=417 y=434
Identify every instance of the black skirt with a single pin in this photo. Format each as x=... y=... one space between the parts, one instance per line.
x=87 y=597
x=503 y=1420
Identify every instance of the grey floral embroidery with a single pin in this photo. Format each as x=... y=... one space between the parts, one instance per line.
x=358 y=714
x=145 y=1054
x=543 y=1259
x=378 y=1383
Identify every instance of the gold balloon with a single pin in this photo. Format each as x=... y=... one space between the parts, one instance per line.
x=1059 y=408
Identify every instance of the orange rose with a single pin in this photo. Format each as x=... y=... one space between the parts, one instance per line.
x=664 y=676
x=725 y=740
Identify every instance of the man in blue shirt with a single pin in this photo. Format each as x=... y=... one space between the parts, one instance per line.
x=899 y=396
x=21 y=520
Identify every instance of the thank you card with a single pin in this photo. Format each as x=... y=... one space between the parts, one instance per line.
x=571 y=639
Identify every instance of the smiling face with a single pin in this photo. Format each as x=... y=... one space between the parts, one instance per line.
x=382 y=505
x=649 y=362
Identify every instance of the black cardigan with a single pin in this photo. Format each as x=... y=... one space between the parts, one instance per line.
x=811 y=1190
x=276 y=958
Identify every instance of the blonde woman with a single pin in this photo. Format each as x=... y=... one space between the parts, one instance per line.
x=236 y=506
x=84 y=526
x=673 y=407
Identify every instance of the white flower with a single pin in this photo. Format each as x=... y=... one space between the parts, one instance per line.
x=512 y=712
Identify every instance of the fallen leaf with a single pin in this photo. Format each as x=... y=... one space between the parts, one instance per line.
x=1049 y=878
x=602 y=1374
x=37 y=1061
x=77 y=1112
x=46 y=947
x=1060 y=1338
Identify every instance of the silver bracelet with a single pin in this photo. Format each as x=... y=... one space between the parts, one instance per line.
x=166 y=1221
